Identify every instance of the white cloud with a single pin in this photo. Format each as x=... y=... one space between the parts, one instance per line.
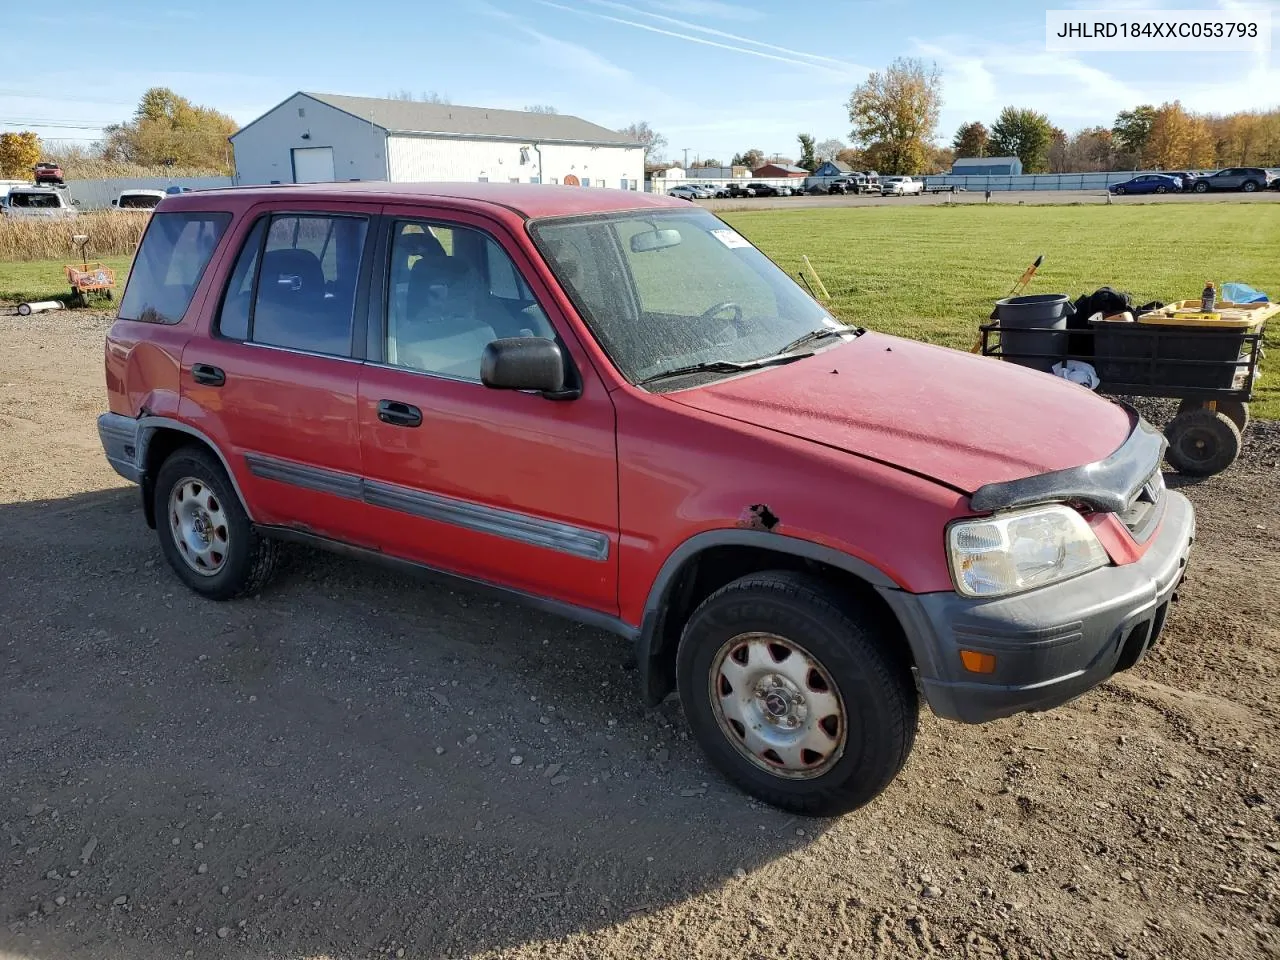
x=712 y=9
x=830 y=68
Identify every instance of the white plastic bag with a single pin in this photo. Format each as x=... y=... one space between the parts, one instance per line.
x=1077 y=371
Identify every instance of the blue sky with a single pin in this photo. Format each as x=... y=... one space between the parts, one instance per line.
x=715 y=76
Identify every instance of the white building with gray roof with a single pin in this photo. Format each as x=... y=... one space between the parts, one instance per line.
x=321 y=137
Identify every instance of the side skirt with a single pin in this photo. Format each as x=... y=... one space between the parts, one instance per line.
x=591 y=618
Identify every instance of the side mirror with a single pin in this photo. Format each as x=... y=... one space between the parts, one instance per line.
x=76 y=203
x=526 y=363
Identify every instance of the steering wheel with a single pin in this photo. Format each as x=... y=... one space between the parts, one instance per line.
x=735 y=323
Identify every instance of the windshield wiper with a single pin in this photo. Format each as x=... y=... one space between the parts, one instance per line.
x=724 y=366
x=820 y=334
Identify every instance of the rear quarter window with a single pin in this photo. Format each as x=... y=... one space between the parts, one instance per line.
x=175 y=251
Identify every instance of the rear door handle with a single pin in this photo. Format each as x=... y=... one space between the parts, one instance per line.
x=207 y=374
x=399 y=414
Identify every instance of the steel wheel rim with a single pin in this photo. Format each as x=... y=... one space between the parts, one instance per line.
x=199 y=526
x=778 y=706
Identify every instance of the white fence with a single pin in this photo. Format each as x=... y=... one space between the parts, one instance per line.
x=1035 y=181
x=98 y=194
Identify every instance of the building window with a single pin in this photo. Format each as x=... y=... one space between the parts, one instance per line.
x=586 y=181
x=535 y=179
x=635 y=185
x=484 y=179
x=513 y=179
x=555 y=181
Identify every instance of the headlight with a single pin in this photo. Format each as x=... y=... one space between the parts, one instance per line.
x=1000 y=555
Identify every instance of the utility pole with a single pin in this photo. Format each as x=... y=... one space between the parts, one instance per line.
x=686 y=158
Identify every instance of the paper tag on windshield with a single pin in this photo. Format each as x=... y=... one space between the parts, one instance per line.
x=731 y=239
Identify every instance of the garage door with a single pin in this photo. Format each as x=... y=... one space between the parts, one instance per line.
x=313 y=165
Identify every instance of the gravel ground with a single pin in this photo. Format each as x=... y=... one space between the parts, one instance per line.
x=357 y=764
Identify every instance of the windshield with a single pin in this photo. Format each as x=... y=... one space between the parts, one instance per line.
x=664 y=291
x=138 y=201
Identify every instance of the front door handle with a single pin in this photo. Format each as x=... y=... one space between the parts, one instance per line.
x=399 y=414
x=207 y=374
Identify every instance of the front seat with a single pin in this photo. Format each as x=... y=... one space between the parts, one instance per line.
x=444 y=331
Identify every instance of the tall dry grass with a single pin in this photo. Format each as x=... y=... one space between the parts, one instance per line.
x=112 y=233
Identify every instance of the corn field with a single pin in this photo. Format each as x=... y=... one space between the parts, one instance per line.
x=111 y=233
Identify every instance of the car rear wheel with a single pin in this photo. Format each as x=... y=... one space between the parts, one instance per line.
x=795 y=695
x=205 y=534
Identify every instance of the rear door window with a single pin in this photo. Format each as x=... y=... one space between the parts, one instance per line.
x=175 y=251
x=294 y=283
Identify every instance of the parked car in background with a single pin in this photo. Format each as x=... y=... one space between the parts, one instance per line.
x=50 y=202
x=1186 y=178
x=738 y=190
x=1147 y=183
x=684 y=192
x=48 y=173
x=138 y=199
x=170 y=191
x=901 y=186
x=702 y=191
x=761 y=190
x=1248 y=179
x=802 y=558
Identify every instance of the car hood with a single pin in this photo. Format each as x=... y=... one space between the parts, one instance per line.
x=958 y=418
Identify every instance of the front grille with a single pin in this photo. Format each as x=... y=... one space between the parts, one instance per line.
x=1141 y=513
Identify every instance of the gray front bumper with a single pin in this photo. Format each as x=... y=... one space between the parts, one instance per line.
x=119 y=435
x=1051 y=644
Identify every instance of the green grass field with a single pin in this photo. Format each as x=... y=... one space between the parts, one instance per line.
x=47 y=279
x=934 y=272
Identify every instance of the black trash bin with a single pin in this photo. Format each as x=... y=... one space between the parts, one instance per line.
x=1048 y=313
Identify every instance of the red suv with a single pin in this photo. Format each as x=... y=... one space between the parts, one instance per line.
x=613 y=406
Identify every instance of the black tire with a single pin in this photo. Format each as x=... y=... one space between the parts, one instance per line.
x=1202 y=442
x=871 y=678
x=1249 y=186
x=1236 y=411
x=1202 y=188
x=1162 y=189
x=250 y=559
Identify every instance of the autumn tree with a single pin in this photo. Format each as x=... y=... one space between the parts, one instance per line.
x=1024 y=134
x=895 y=114
x=971 y=140
x=168 y=129
x=1177 y=140
x=828 y=150
x=850 y=157
x=1091 y=150
x=752 y=158
x=939 y=159
x=807 y=158
x=19 y=153
x=1132 y=129
x=655 y=144
x=1059 y=147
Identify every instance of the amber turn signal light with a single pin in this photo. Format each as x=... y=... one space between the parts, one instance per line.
x=976 y=662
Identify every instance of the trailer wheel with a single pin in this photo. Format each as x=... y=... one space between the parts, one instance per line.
x=1202 y=442
x=1235 y=410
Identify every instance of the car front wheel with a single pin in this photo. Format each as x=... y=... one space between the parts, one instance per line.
x=205 y=534
x=796 y=696
x=1249 y=186
x=1202 y=188
x=1120 y=191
